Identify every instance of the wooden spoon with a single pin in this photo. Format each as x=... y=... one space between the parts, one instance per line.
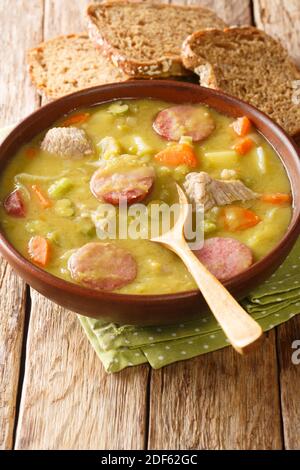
x=240 y=328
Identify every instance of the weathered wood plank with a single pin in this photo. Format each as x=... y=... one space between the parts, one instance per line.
x=217 y=401
x=81 y=407
x=68 y=400
x=12 y=313
x=235 y=12
x=21 y=28
x=17 y=99
x=288 y=346
x=222 y=401
x=64 y=18
x=281 y=19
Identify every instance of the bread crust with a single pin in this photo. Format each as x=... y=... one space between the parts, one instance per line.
x=164 y=66
x=36 y=71
x=208 y=74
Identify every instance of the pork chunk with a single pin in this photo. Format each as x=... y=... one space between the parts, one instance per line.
x=67 y=142
x=202 y=189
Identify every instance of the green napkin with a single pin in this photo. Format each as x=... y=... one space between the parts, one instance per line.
x=272 y=303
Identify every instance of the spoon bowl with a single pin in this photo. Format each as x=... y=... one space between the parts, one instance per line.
x=243 y=332
x=150 y=309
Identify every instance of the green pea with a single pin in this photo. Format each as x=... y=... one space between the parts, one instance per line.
x=59 y=188
x=163 y=171
x=209 y=226
x=87 y=227
x=64 y=208
x=35 y=226
x=54 y=237
x=180 y=171
x=118 y=108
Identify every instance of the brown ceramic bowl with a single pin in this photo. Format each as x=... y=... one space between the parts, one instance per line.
x=150 y=309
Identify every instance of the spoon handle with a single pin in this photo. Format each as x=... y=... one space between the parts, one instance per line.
x=240 y=328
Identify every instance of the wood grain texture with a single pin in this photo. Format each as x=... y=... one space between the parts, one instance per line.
x=68 y=400
x=217 y=401
x=288 y=345
x=17 y=99
x=225 y=400
x=64 y=17
x=21 y=28
x=12 y=312
x=281 y=19
x=234 y=12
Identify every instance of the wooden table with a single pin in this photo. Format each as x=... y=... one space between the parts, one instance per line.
x=55 y=393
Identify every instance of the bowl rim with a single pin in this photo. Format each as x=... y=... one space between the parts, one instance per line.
x=18 y=260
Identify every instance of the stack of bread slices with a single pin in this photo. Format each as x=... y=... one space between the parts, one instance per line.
x=137 y=40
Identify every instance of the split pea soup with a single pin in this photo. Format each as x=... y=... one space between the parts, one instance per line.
x=53 y=189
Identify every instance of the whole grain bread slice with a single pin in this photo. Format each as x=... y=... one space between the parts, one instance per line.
x=144 y=40
x=69 y=63
x=247 y=63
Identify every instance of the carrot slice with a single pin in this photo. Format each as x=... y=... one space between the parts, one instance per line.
x=31 y=152
x=276 y=198
x=244 y=146
x=242 y=126
x=235 y=218
x=76 y=119
x=44 y=201
x=39 y=250
x=177 y=154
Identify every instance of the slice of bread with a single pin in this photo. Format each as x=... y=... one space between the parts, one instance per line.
x=144 y=40
x=247 y=63
x=69 y=63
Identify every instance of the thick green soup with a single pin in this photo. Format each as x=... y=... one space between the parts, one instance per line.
x=54 y=189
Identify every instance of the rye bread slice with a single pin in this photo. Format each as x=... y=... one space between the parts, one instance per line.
x=69 y=63
x=144 y=40
x=247 y=63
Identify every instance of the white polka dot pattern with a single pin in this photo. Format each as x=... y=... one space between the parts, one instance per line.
x=272 y=303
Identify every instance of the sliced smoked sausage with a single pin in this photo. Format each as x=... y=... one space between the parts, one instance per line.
x=131 y=186
x=184 y=120
x=225 y=257
x=14 y=204
x=102 y=266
